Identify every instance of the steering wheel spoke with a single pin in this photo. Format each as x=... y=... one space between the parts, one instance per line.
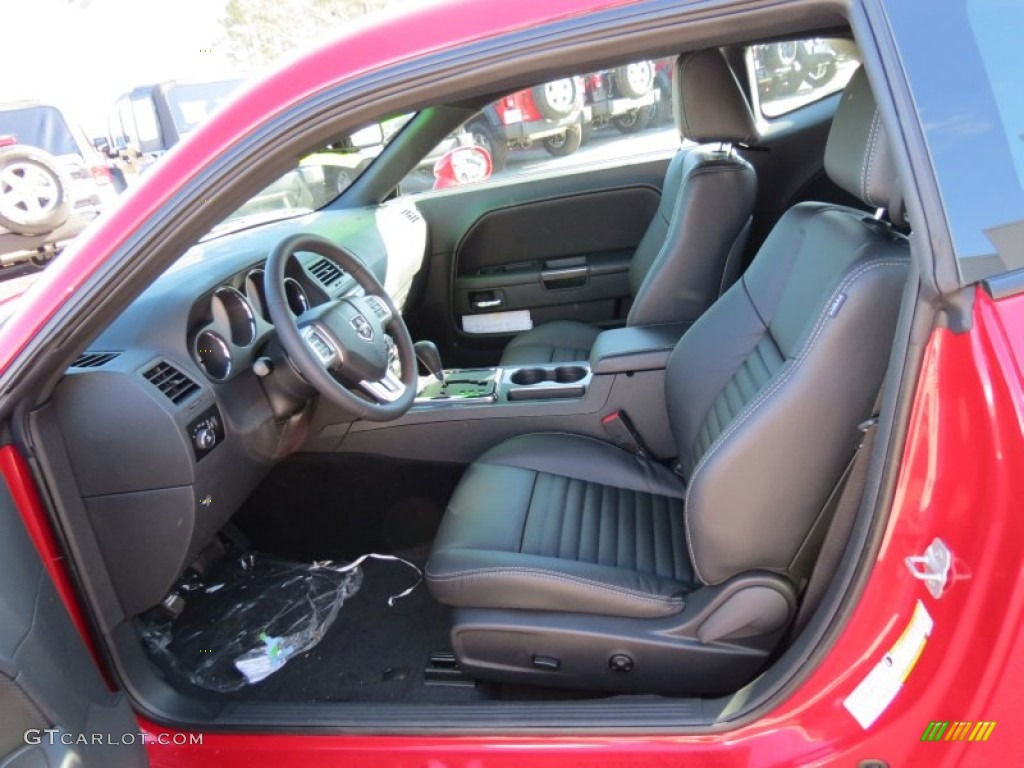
x=388 y=389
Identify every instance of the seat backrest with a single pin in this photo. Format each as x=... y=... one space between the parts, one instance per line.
x=766 y=390
x=693 y=247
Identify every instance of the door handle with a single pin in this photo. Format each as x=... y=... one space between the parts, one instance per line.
x=568 y=273
x=488 y=304
x=486 y=299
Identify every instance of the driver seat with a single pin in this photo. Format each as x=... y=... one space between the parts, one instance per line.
x=571 y=562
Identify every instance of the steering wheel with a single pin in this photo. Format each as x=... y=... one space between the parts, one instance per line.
x=341 y=347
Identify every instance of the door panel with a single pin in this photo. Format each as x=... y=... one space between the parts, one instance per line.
x=48 y=680
x=554 y=253
x=558 y=246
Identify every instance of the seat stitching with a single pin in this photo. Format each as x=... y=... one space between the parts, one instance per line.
x=869 y=158
x=793 y=366
x=596 y=586
x=682 y=87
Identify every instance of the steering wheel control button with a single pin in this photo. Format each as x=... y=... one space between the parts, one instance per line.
x=206 y=432
x=378 y=307
x=319 y=345
x=620 y=662
x=547 y=663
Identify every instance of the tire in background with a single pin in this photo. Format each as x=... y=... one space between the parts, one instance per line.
x=636 y=79
x=634 y=120
x=557 y=99
x=484 y=136
x=31 y=172
x=563 y=144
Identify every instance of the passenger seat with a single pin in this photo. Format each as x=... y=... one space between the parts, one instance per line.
x=692 y=249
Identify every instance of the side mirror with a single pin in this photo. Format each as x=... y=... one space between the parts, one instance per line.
x=462 y=165
x=370 y=136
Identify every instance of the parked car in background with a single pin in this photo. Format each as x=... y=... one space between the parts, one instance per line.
x=782 y=68
x=52 y=182
x=553 y=113
x=150 y=119
x=624 y=97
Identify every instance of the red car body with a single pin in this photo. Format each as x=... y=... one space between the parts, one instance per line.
x=959 y=479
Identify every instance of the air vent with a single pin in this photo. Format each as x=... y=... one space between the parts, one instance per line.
x=172 y=382
x=327 y=272
x=411 y=215
x=94 y=359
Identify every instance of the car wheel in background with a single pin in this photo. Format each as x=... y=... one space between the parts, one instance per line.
x=636 y=79
x=483 y=136
x=633 y=121
x=565 y=143
x=819 y=74
x=35 y=195
x=557 y=99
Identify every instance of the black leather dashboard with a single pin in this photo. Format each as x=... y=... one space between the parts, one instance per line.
x=166 y=426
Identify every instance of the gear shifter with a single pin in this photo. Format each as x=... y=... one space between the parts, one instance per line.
x=426 y=353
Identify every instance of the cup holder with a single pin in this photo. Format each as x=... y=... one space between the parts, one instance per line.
x=568 y=374
x=526 y=377
x=563 y=374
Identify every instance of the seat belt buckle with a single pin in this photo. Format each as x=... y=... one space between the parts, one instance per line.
x=623 y=434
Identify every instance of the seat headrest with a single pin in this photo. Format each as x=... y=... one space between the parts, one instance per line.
x=857 y=155
x=709 y=103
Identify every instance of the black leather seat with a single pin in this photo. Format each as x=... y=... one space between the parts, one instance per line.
x=693 y=247
x=562 y=553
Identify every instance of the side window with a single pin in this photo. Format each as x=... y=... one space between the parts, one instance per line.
x=599 y=117
x=147 y=125
x=794 y=73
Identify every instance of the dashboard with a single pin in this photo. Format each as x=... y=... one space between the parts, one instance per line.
x=166 y=420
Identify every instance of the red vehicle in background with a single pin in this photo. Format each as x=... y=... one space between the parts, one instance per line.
x=552 y=113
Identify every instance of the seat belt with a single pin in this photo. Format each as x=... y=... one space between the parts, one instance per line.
x=852 y=482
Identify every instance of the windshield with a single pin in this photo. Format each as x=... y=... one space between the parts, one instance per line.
x=192 y=103
x=317 y=178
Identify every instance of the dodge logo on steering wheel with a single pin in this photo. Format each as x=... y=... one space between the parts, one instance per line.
x=363 y=328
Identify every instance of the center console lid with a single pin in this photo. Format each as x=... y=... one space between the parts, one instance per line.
x=635 y=348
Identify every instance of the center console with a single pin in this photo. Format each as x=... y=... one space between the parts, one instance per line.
x=458 y=414
x=481 y=385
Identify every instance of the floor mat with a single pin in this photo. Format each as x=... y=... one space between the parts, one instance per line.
x=332 y=506
x=371 y=652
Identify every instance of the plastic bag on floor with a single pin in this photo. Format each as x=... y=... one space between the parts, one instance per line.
x=248 y=618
